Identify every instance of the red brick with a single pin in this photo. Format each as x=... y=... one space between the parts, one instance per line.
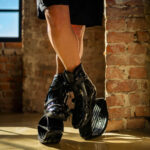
x=8 y=79
x=14 y=59
x=9 y=94
x=139 y=98
x=115 y=49
x=119 y=113
x=134 y=3
x=0 y=45
x=137 y=60
x=115 y=73
x=99 y=36
x=1 y=67
x=143 y=84
x=4 y=59
x=110 y=2
x=12 y=93
x=10 y=67
x=148 y=18
x=125 y=12
x=115 y=25
x=11 y=52
x=14 y=105
x=136 y=123
x=120 y=37
x=14 y=85
x=115 y=125
x=147 y=8
x=115 y=100
x=128 y=2
x=142 y=111
x=137 y=73
x=46 y=73
x=13 y=45
x=136 y=49
x=143 y=36
x=116 y=60
x=14 y=67
x=4 y=87
x=137 y=24
x=121 y=86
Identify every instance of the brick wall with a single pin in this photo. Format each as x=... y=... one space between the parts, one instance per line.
x=127 y=63
x=10 y=77
x=39 y=59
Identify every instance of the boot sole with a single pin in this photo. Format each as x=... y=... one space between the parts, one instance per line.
x=98 y=123
x=52 y=137
x=50 y=130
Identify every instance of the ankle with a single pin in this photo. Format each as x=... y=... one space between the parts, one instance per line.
x=71 y=68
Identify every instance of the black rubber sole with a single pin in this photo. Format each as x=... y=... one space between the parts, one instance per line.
x=50 y=130
x=52 y=137
x=98 y=123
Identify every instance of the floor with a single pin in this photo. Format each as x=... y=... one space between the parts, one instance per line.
x=18 y=132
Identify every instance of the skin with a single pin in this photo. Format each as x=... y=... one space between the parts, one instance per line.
x=66 y=39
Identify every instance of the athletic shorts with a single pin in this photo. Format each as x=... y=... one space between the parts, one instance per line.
x=88 y=12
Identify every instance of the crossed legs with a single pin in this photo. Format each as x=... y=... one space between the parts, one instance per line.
x=66 y=39
x=79 y=31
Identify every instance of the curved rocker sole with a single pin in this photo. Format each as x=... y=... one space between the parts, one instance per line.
x=98 y=123
x=50 y=130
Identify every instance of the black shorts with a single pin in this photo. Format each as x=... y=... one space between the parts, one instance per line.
x=88 y=12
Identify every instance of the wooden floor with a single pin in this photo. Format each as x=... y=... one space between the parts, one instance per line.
x=18 y=132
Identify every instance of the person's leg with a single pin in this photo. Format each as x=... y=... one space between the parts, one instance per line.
x=69 y=48
x=79 y=30
x=66 y=46
x=62 y=36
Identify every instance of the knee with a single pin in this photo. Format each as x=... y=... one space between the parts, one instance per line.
x=58 y=16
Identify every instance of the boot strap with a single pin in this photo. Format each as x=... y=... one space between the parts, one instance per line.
x=55 y=102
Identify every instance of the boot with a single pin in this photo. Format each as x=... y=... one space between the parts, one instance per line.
x=50 y=130
x=55 y=106
x=98 y=123
x=50 y=127
x=84 y=93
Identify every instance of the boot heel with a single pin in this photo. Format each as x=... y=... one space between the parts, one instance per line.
x=98 y=123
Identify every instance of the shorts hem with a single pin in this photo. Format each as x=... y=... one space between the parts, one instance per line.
x=42 y=5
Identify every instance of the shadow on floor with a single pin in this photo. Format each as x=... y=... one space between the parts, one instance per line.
x=19 y=132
